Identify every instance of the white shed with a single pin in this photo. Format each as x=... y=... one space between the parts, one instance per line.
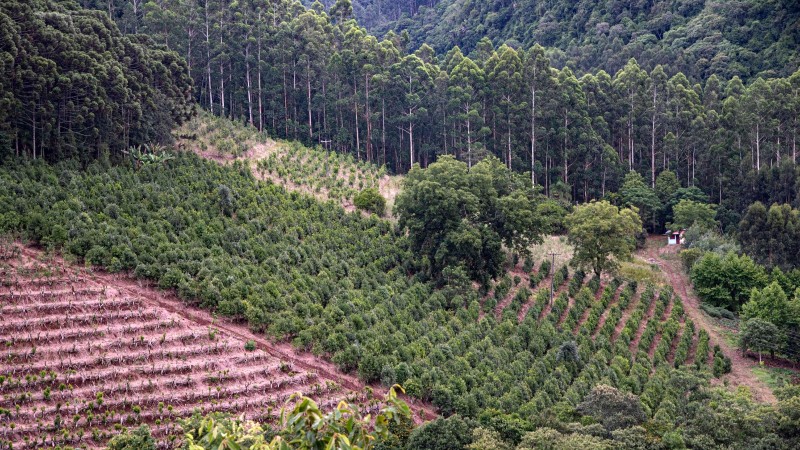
x=675 y=237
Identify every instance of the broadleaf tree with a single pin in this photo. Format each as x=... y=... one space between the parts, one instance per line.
x=603 y=235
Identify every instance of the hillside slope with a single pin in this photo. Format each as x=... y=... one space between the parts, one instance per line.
x=313 y=171
x=142 y=355
x=699 y=38
x=666 y=257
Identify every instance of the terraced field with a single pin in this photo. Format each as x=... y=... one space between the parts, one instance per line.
x=85 y=354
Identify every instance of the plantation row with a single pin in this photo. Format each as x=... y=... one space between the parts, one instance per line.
x=328 y=174
x=347 y=288
x=336 y=175
x=98 y=370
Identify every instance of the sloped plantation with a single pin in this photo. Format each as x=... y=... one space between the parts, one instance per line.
x=342 y=286
x=326 y=175
x=85 y=355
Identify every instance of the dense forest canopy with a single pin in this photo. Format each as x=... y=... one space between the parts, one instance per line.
x=315 y=75
x=72 y=85
x=744 y=38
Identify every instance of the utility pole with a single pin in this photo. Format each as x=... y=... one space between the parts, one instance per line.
x=552 y=272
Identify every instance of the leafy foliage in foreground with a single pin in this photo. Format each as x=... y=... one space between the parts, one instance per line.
x=303 y=427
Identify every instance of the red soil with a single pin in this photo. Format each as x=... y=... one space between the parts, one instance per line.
x=604 y=315
x=650 y=310
x=626 y=315
x=524 y=282
x=81 y=332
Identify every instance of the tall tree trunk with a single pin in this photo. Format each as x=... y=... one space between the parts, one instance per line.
x=533 y=133
x=469 y=138
x=411 y=143
x=324 y=109
x=758 y=148
x=248 y=80
x=355 y=110
x=295 y=121
x=308 y=97
x=653 y=143
x=508 y=138
x=566 y=158
x=260 y=92
x=368 y=117
x=222 y=89
x=285 y=105
x=208 y=61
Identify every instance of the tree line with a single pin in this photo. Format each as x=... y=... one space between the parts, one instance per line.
x=72 y=85
x=315 y=75
x=751 y=273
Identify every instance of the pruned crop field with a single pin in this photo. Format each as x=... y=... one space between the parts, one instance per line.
x=642 y=319
x=82 y=357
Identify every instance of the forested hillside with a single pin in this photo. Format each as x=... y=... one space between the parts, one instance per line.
x=744 y=38
x=520 y=149
x=73 y=86
x=316 y=76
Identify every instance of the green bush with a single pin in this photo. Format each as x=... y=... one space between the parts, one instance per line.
x=690 y=256
x=370 y=200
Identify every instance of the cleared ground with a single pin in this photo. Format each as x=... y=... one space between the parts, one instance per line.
x=86 y=353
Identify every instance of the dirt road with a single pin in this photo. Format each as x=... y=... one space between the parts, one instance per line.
x=666 y=257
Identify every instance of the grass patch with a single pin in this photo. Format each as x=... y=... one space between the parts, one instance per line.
x=553 y=244
x=731 y=337
x=774 y=377
x=641 y=272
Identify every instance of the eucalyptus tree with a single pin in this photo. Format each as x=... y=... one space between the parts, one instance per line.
x=504 y=75
x=413 y=80
x=466 y=82
x=538 y=76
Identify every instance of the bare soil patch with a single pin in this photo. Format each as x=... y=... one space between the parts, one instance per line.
x=85 y=351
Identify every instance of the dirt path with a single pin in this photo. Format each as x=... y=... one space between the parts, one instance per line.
x=585 y=315
x=544 y=284
x=388 y=186
x=666 y=257
x=284 y=351
x=515 y=288
x=557 y=293
x=607 y=311
x=660 y=320
x=674 y=345
x=647 y=317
